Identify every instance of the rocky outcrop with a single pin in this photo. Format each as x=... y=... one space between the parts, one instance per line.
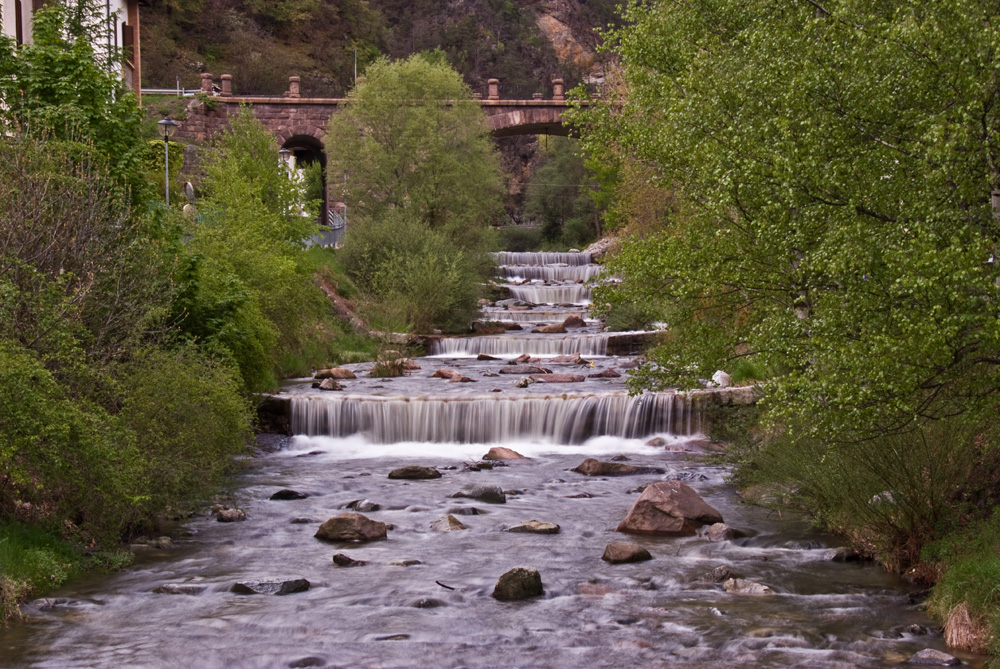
x=448 y=523
x=270 y=587
x=554 y=328
x=620 y=552
x=491 y=494
x=340 y=373
x=518 y=583
x=286 y=494
x=351 y=527
x=670 y=508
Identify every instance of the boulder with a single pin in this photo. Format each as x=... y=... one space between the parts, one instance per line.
x=574 y=322
x=492 y=494
x=483 y=356
x=721 y=379
x=445 y=373
x=722 y=532
x=521 y=359
x=362 y=505
x=605 y=374
x=592 y=467
x=518 y=583
x=503 y=453
x=720 y=574
x=554 y=328
x=427 y=603
x=556 y=378
x=340 y=373
x=742 y=586
x=462 y=379
x=351 y=527
x=415 y=472
x=507 y=325
x=342 y=560
x=488 y=328
x=657 y=442
x=671 y=508
x=448 y=523
x=534 y=527
x=620 y=552
x=523 y=382
x=523 y=369
x=329 y=384
x=575 y=359
x=286 y=494
x=270 y=587
x=934 y=658
x=230 y=515
x=846 y=554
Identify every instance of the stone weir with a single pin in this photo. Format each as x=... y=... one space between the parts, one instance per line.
x=573 y=293
x=563 y=419
x=541 y=258
x=566 y=273
x=510 y=346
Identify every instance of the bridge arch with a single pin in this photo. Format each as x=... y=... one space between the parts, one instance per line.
x=528 y=121
x=308 y=149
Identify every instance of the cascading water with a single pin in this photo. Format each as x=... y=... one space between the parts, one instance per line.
x=422 y=596
x=551 y=294
x=497 y=314
x=543 y=258
x=566 y=273
x=561 y=419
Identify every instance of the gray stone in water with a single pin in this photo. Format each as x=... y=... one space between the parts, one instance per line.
x=342 y=560
x=934 y=658
x=362 y=505
x=592 y=467
x=329 y=384
x=518 y=583
x=427 y=603
x=722 y=532
x=720 y=574
x=270 y=587
x=523 y=369
x=492 y=494
x=307 y=662
x=287 y=494
x=230 y=515
x=605 y=374
x=846 y=554
x=523 y=382
x=415 y=472
x=742 y=586
x=534 y=527
x=179 y=589
x=465 y=511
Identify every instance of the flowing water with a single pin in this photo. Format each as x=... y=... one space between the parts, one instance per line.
x=423 y=596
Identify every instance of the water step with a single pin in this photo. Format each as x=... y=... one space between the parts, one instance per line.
x=541 y=258
x=510 y=346
x=570 y=294
x=563 y=419
x=532 y=316
x=548 y=272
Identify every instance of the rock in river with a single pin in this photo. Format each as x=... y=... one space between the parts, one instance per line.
x=342 y=560
x=742 y=586
x=592 y=467
x=518 y=583
x=415 y=472
x=523 y=369
x=493 y=494
x=534 y=527
x=448 y=523
x=669 y=507
x=287 y=494
x=270 y=587
x=722 y=532
x=620 y=552
x=351 y=527
x=934 y=658
x=502 y=453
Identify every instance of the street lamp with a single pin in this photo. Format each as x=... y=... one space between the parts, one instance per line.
x=283 y=157
x=167 y=128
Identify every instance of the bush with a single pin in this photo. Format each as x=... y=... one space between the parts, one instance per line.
x=520 y=239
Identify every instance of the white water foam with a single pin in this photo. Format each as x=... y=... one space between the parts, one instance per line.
x=548 y=272
x=498 y=314
x=570 y=294
x=541 y=258
x=511 y=346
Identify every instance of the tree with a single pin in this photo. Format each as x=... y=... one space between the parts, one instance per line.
x=832 y=164
x=423 y=184
x=560 y=193
x=411 y=137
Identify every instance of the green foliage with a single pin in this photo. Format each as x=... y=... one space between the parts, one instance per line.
x=424 y=185
x=520 y=239
x=153 y=163
x=64 y=87
x=559 y=195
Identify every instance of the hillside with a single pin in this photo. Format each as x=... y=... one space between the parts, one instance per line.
x=262 y=42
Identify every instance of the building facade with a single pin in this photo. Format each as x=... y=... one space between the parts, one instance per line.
x=121 y=32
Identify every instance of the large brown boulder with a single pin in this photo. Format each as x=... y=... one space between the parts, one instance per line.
x=573 y=359
x=502 y=453
x=592 y=467
x=669 y=507
x=574 y=322
x=351 y=527
x=415 y=472
x=554 y=328
x=518 y=583
x=445 y=373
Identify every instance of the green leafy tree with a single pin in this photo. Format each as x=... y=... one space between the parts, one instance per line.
x=560 y=194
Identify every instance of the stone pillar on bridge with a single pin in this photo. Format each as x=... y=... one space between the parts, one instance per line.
x=558 y=91
x=494 y=89
x=293 y=87
x=206 y=83
x=227 y=85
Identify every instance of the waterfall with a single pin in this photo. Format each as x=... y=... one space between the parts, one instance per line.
x=532 y=316
x=541 y=258
x=510 y=346
x=569 y=294
x=564 y=419
x=548 y=272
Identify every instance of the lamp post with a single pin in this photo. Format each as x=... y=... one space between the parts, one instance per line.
x=167 y=128
x=283 y=157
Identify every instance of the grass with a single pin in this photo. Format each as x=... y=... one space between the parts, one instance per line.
x=33 y=561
